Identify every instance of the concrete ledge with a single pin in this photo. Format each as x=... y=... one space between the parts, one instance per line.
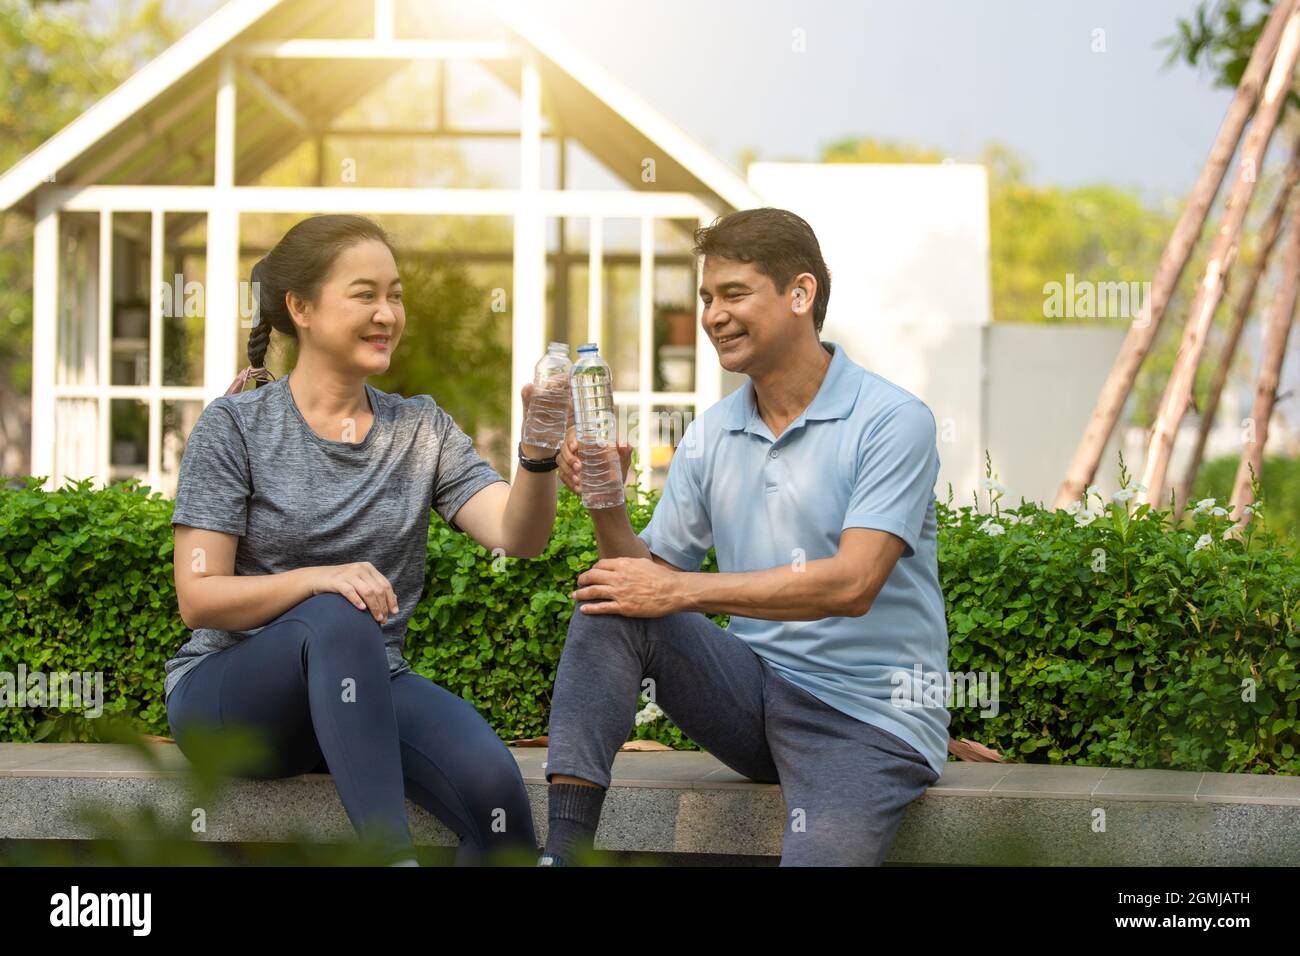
x=680 y=802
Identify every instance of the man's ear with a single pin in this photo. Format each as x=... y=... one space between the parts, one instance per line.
x=803 y=293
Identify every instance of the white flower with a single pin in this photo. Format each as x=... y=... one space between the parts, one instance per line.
x=1219 y=512
x=1124 y=494
x=1204 y=541
x=1075 y=507
x=1029 y=519
x=992 y=527
x=1093 y=490
x=1248 y=510
x=1235 y=528
x=1012 y=518
x=1084 y=519
x=1205 y=504
x=650 y=712
x=991 y=484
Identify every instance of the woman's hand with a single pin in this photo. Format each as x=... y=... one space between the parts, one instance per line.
x=360 y=583
x=532 y=451
x=571 y=466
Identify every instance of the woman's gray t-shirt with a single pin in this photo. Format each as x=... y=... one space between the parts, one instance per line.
x=253 y=467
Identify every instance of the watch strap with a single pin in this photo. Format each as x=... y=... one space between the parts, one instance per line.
x=538 y=464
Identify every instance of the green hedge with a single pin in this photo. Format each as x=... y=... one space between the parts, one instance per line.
x=87 y=584
x=1122 y=640
x=1279 y=482
x=1116 y=643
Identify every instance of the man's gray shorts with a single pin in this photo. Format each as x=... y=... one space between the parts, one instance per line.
x=846 y=783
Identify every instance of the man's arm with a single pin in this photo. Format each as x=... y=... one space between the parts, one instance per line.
x=616 y=539
x=614 y=535
x=892 y=491
x=845 y=585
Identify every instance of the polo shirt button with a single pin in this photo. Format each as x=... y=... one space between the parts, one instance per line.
x=773 y=453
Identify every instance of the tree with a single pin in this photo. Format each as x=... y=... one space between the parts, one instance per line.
x=55 y=62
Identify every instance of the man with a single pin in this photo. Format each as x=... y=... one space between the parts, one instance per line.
x=815 y=484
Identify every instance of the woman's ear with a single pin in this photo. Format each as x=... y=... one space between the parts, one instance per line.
x=299 y=309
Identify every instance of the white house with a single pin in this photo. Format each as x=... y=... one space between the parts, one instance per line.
x=600 y=184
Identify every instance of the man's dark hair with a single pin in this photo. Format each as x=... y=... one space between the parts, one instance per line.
x=778 y=243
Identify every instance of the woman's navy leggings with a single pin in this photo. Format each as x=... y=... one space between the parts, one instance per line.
x=315 y=682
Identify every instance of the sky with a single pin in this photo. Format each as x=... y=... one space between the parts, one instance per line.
x=1078 y=105
x=947 y=74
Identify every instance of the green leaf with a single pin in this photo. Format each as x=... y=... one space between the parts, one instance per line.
x=1012 y=621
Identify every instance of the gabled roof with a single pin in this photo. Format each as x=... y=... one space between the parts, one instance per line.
x=110 y=141
x=594 y=94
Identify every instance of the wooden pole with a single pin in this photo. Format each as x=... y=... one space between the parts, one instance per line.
x=1224 y=251
x=1270 y=371
x=1268 y=241
x=1179 y=249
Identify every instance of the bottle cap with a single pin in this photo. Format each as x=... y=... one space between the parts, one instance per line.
x=587 y=347
x=559 y=347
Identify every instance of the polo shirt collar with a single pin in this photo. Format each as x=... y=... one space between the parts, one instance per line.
x=834 y=399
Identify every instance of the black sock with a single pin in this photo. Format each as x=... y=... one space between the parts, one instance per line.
x=572 y=817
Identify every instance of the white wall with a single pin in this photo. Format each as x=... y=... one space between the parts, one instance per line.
x=908 y=251
x=1043 y=381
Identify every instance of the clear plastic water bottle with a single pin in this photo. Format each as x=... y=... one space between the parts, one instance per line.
x=548 y=410
x=593 y=408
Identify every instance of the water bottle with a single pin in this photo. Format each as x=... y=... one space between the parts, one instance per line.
x=548 y=410
x=593 y=408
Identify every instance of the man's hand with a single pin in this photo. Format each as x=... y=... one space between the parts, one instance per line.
x=571 y=466
x=633 y=587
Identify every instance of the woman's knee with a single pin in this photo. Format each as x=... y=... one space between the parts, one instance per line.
x=331 y=606
x=334 y=623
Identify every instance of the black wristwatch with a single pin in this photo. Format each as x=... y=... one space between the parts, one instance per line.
x=538 y=464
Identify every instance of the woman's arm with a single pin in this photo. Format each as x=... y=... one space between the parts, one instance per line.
x=516 y=518
x=210 y=594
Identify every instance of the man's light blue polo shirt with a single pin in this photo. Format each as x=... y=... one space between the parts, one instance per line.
x=862 y=455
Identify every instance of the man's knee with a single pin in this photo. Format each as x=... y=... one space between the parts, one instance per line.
x=583 y=623
x=677 y=622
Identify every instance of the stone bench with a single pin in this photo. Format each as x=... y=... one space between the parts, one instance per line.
x=689 y=803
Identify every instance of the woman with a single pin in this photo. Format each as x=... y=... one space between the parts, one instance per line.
x=301 y=519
